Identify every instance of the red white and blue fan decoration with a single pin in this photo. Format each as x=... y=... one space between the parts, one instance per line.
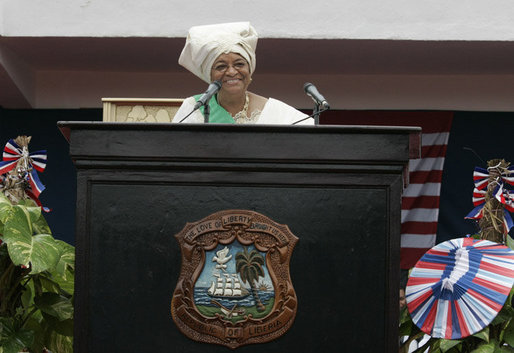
x=458 y=287
x=501 y=193
x=27 y=164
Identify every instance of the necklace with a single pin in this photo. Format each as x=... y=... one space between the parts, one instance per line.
x=242 y=116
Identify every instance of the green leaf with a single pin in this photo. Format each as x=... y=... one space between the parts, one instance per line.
x=16 y=225
x=65 y=282
x=446 y=345
x=407 y=327
x=40 y=251
x=404 y=315
x=510 y=242
x=505 y=314
x=5 y=207
x=435 y=347
x=508 y=335
x=64 y=327
x=483 y=334
x=60 y=343
x=55 y=305
x=27 y=297
x=48 y=284
x=66 y=258
x=40 y=226
x=13 y=340
x=40 y=328
x=63 y=275
x=485 y=348
x=34 y=213
x=3 y=253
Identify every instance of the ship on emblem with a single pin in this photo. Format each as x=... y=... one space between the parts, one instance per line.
x=226 y=285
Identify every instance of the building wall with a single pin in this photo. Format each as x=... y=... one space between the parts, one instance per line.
x=364 y=19
x=366 y=54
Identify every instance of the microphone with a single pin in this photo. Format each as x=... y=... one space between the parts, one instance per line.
x=312 y=91
x=211 y=91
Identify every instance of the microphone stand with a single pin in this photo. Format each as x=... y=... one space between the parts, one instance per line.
x=315 y=113
x=206 y=112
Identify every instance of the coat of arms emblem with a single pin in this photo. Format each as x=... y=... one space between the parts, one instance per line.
x=234 y=286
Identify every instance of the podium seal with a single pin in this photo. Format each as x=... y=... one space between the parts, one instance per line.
x=234 y=286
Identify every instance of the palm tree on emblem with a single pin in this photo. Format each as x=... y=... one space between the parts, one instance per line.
x=249 y=265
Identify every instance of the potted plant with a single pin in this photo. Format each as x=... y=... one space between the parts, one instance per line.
x=36 y=272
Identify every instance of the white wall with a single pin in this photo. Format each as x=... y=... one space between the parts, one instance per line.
x=354 y=19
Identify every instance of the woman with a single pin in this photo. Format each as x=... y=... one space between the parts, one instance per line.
x=226 y=52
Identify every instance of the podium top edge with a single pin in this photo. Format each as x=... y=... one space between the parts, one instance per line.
x=100 y=125
x=334 y=135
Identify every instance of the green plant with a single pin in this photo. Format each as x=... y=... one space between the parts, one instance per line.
x=36 y=282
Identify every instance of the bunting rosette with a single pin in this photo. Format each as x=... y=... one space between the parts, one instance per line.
x=483 y=181
x=18 y=158
x=458 y=287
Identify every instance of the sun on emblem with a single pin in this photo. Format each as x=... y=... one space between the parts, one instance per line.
x=234 y=287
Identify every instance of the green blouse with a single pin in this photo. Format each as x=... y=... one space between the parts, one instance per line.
x=218 y=114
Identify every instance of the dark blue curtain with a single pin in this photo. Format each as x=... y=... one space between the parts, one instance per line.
x=59 y=177
x=475 y=138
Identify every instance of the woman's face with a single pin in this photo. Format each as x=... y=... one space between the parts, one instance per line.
x=233 y=71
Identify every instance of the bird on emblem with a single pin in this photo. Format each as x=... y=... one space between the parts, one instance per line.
x=221 y=258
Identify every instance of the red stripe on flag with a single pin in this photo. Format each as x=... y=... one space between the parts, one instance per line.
x=420 y=202
x=409 y=256
x=421 y=177
x=433 y=151
x=419 y=227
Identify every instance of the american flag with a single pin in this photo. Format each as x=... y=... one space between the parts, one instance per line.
x=420 y=201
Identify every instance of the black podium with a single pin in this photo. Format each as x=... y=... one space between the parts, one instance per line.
x=337 y=188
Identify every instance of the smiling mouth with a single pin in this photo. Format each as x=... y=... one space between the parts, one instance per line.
x=232 y=81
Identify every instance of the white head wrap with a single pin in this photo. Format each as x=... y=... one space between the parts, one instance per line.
x=205 y=43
